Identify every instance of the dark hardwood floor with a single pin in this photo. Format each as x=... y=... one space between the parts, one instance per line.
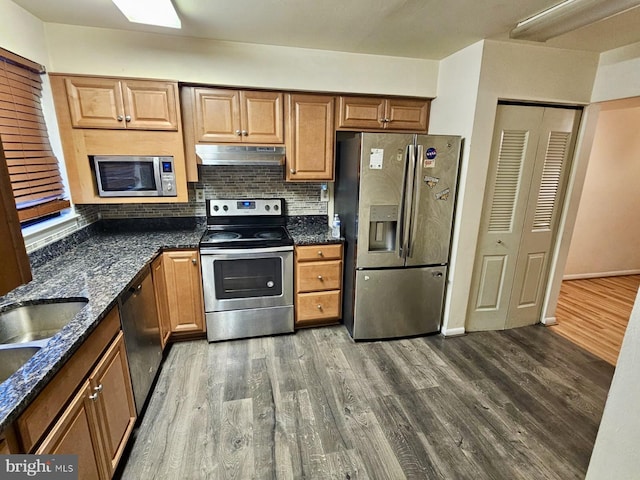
x=516 y=404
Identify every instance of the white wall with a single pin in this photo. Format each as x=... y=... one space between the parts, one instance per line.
x=510 y=71
x=615 y=453
x=100 y=51
x=452 y=112
x=22 y=33
x=607 y=227
x=618 y=74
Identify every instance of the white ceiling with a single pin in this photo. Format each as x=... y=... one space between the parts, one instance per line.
x=430 y=29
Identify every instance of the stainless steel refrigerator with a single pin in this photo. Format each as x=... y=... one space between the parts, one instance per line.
x=395 y=194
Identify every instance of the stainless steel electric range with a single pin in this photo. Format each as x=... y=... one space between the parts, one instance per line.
x=247 y=269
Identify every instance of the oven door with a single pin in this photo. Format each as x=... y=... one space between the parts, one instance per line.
x=237 y=279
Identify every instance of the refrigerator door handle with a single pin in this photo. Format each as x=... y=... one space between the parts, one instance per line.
x=408 y=202
x=415 y=182
x=409 y=154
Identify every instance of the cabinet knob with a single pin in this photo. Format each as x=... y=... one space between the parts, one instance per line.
x=245 y=133
x=319 y=307
x=320 y=277
x=119 y=118
x=384 y=120
x=93 y=396
x=238 y=132
x=98 y=388
x=194 y=261
x=127 y=118
x=320 y=254
x=292 y=170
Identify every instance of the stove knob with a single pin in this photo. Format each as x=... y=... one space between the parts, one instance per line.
x=225 y=208
x=276 y=208
x=216 y=208
x=267 y=208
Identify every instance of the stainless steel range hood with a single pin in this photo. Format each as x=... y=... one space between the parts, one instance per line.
x=240 y=155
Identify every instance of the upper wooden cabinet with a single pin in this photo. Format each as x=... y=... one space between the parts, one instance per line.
x=378 y=113
x=237 y=116
x=310 y=137
x=118 y=104
x=88 y=111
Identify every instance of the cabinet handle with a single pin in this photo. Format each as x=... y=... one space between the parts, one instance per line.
x=98 y=388
x=93 y=396
x=238 y=132
x=292 y=170
x=319 y=307
x=245 y=133
x=194 y=261
x=320 y=277
x=320 y=254
x=119 y=118
x=127 y=118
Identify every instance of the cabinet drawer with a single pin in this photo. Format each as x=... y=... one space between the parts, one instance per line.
x=318 y=306
x=319 y=252
x=312 y=276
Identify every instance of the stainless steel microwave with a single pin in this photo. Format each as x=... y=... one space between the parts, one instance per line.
x=134 y=176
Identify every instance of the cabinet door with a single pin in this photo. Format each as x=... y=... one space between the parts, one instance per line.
x=262 y=117
x=76 y=432
x=217 y=115
x=310 y=137
x=115 y=404
x=184 y=291
x=150 y=105
x=361 y=113
x=95 y=102
x=407 y=115
x=160 y=288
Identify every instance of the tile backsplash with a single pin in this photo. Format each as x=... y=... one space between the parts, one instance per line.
x=231 y=182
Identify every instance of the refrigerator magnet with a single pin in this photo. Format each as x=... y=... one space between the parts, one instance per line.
x=375 y=158
x=431 y=181
x=443 y=195
x=430 y=158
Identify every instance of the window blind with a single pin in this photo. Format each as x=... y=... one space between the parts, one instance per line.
x=33 y=168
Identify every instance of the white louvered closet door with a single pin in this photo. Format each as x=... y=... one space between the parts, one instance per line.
x=526 y=177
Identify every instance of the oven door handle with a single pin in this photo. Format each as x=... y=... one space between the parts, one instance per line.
x=243 y=251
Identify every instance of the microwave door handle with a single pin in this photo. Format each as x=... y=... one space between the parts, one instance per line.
x=414 y=201
x=157 y=175
x=409 y=152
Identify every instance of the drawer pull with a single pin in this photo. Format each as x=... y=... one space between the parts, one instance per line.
x=320 y=254
x=319 y=307
x=320 y=277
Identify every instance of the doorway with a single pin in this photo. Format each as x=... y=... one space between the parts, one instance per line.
x=531 y=152
x=601 y=275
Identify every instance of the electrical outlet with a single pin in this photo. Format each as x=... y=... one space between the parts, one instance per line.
x=324 y=193
x=199 y=194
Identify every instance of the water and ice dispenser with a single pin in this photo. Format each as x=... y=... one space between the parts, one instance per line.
x=383 y=224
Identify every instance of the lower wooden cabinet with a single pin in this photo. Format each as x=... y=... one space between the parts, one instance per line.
x=99 y=420
x=318 y=281
x=178 y=284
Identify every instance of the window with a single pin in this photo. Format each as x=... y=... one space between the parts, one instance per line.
x=33 y=168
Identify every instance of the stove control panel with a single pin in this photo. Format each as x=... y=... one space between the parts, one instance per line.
x=245 y=207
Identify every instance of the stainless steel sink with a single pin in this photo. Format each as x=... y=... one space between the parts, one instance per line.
x=28 y=323
x=11 y=359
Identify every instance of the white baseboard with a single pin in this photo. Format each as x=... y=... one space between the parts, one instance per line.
x=453 y=332
x=549 y=321
x=580 y=276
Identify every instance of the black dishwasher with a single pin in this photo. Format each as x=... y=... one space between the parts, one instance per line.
x=141 y=334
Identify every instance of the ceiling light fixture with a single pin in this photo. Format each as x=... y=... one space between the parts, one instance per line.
x=150 y=12
x=567 y=16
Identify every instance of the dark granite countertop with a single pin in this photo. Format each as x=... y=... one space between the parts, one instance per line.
x=310 y=230
x=98 y=268
x=98 y=263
